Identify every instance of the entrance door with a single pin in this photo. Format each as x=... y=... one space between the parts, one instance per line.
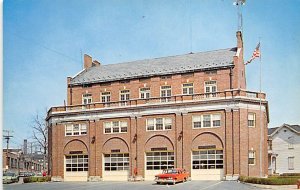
x=76 y=168
x=207 y=164
x=156 y=162
x=116 y=167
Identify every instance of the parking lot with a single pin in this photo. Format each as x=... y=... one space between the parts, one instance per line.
x=147 y=185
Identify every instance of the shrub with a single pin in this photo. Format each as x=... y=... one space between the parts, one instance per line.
x=290 y=174
x=274 y=180
x=36 y=179
x=26 y=180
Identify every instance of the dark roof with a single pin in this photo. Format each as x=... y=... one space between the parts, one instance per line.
x=271 y=130
x=294 y=127
x=158 y=66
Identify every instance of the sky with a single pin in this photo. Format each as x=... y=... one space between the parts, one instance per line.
x=44 y=40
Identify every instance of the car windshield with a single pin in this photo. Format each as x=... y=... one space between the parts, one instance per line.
x=8 y=174
x=170 y=171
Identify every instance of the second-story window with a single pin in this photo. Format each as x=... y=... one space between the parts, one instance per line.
x=87 y=98
x=105 y=97
x=188 y=88
x=210 y=88
x=165 y=93
x=75 y=129
x=124 y=97
x=291 y=142
x=159 y=124
x=206 y=121
x=115 y=127
x=251 y=119
x=145 y=93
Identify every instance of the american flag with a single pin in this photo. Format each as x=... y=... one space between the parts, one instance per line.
x=255 y=54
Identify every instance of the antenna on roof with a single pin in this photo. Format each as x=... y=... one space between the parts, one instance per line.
x=239 y=4
x=81 y=58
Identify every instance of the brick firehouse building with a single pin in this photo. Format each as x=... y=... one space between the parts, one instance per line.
x=133 y=119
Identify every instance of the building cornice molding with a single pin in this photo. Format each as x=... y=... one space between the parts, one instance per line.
x=184 y=110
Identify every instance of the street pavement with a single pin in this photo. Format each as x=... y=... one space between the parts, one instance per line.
x=146 y=185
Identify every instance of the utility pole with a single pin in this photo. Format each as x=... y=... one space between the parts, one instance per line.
x=31 y=156
x=7 y=138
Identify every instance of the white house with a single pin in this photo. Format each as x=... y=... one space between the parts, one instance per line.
x=284 y=149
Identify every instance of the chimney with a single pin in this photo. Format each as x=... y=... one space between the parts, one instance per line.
x=88 y=62
x=96 y=63
x=25 y=146
x=239 y=37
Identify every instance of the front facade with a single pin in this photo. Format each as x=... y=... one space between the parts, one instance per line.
x=284 y=149
x=131 y=120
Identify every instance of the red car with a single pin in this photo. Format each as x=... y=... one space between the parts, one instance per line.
x=172 y=176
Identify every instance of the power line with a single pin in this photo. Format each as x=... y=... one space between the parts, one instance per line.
x=7 y=138
x=45 y=47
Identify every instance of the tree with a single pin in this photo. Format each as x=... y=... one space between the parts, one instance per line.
x=40 y=135
x=40 y=132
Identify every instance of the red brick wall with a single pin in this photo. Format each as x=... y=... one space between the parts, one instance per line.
x=235 y=137
x=222 y=78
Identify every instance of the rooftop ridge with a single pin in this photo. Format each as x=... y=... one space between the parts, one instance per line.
x=170 y=56
x=221 y=58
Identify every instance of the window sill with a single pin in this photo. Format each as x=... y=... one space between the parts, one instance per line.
x=158 y=130
x=114 y=133
x=75 y=135
x=206 y=127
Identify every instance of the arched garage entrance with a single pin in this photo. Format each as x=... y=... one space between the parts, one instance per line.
x=115 y=160
x=207 y=157
x=159 y=155
x=76 y=161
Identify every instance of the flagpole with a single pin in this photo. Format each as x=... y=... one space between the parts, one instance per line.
x=260 y=116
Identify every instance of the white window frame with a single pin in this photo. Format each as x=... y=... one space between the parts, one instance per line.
x=70 y=131
x=124 y=97
x=200 y=118
x=116 y=161
x=210 y=85
x=188 y=88
x=166 y=97
x=145 y=93
x=290 y=142
x=160 y=157
x=74 y=163
x=215 y=156
x=87 y=98
x=196 y=119
x=251 y=118
x=111 y=125
x=252 y=155
x=166 y=124
x=105 y=97
x=291 y=163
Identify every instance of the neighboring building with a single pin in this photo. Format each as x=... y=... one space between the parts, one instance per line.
x=134 y=119
x=284 y=149
x=16 y=161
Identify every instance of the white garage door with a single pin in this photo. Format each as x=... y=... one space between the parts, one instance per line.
x=76 y=168
x=207 y=165
x=116 y=167
x=156 y=162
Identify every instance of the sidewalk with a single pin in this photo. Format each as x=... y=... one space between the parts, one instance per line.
x=276 y=187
